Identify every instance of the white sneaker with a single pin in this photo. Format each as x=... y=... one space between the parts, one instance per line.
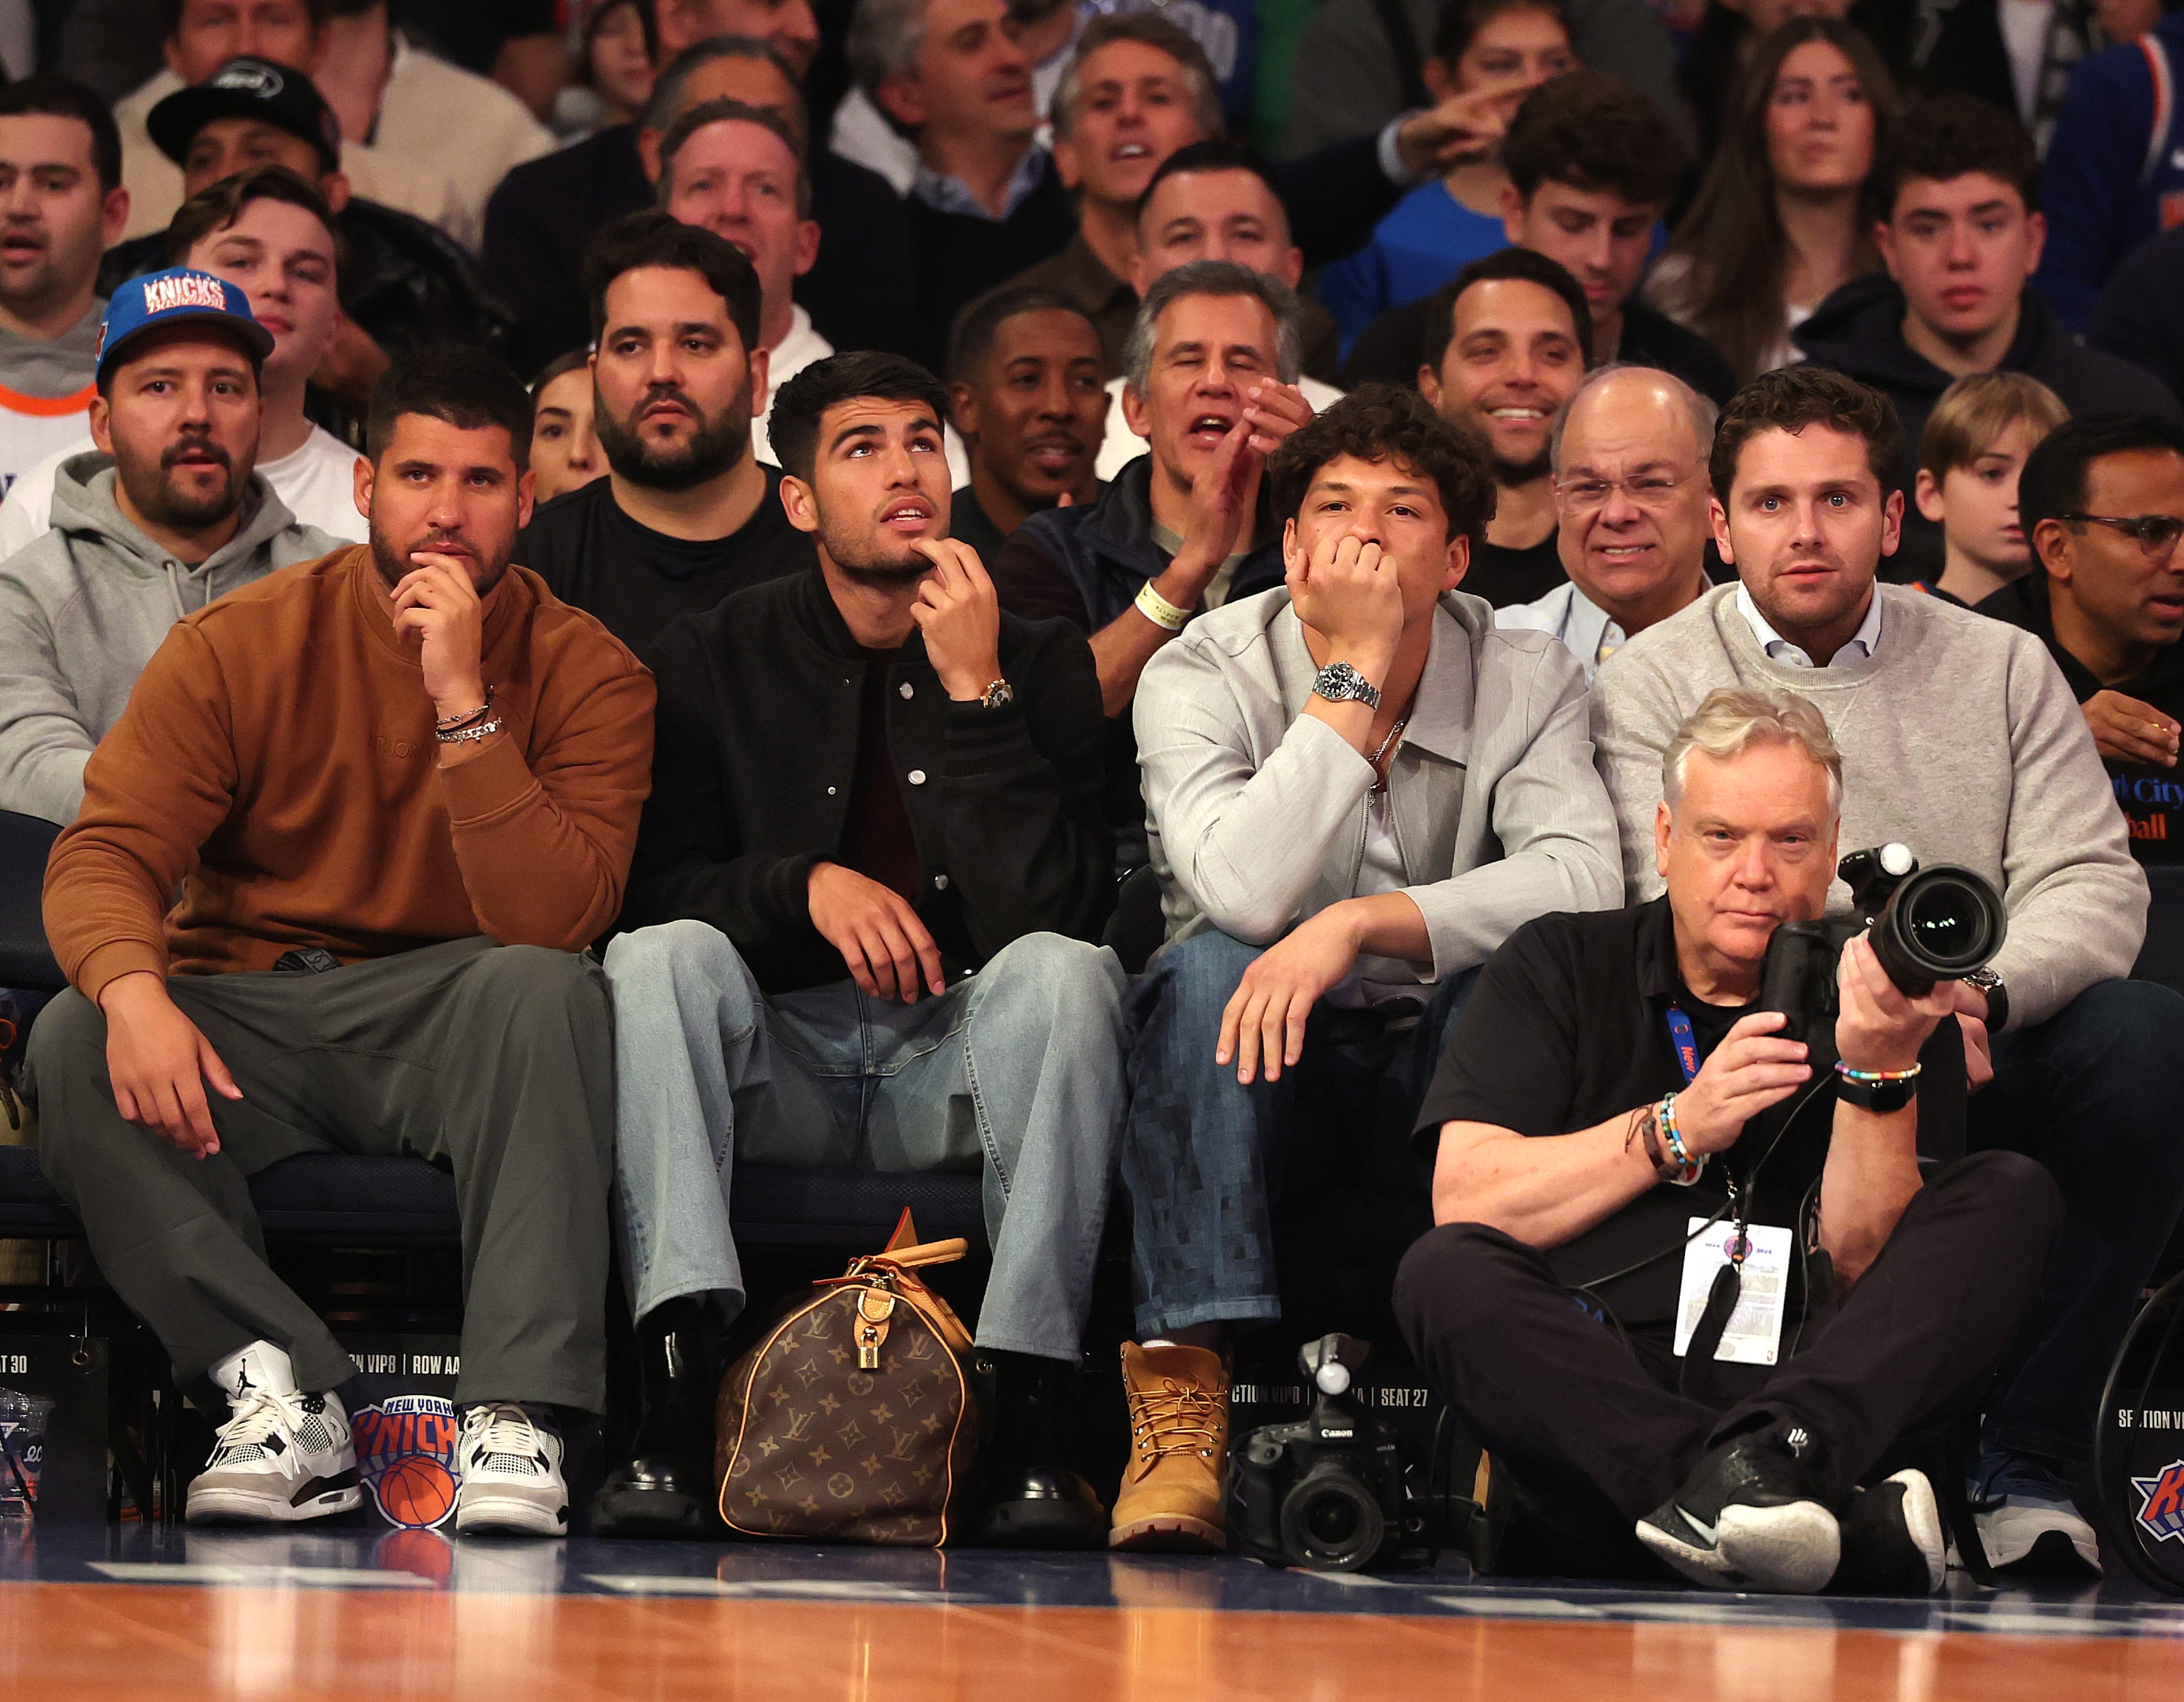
x=508 y=1475
x=279 y=1457
x=2029 y=1521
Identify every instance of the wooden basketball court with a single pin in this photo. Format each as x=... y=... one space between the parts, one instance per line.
x=108 y=1613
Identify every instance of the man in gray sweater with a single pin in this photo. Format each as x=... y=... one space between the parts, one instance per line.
x=1961 y=740
x=178 y=519
x=1358 y=789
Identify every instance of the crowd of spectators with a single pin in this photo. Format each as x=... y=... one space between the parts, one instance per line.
x=655 y=567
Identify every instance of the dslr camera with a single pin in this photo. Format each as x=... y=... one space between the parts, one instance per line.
x=1926 y=925
x=1328 y=1492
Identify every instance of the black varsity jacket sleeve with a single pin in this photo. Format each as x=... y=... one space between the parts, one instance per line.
x=1025 y=840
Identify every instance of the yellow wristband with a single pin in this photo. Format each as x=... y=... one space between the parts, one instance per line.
x=1159 y=611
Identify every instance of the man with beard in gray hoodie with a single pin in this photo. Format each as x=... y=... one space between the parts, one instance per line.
x=180 y=517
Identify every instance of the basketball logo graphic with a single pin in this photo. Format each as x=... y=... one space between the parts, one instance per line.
x=405 y=1454
x=2161 y=1502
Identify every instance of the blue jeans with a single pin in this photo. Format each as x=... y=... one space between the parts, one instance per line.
x=2096 y=1093
x=1207 y=1160
x=1017 y=1072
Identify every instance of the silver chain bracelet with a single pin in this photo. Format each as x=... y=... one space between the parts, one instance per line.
x=464 y=736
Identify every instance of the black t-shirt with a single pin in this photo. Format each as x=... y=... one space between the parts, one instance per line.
x=877 y=840
x=636 y=580
x=2152 y=799
x=1504 y=576
x=969 y=524
x=1568 y=1026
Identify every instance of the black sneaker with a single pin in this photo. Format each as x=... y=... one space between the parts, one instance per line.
x=1892 y=1542
x=1750 y=1517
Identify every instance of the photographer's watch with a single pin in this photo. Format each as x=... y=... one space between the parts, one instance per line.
x=1340 y=683
x=1879 y=1091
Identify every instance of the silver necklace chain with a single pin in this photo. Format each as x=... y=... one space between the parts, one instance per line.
x=1380 y=783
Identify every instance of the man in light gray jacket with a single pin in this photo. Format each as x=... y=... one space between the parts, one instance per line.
x=1960 y=739
x=1358 y=789
x=180 y=517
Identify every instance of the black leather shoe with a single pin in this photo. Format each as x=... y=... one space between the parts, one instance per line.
x=664 y=1488
x=1751 y=1516
x=1042 y=1507
x=653 y=1496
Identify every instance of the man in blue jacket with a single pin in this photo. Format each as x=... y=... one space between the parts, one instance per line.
x=1210 y=377
x=2115 y=168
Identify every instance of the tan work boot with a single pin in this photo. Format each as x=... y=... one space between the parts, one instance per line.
x=1171 y=1496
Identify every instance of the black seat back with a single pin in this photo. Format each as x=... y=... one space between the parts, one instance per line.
x=26 y=960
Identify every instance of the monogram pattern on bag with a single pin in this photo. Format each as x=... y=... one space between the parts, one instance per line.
x=812 y=1446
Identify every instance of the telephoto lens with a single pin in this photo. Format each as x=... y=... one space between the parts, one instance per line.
x=1940 y=924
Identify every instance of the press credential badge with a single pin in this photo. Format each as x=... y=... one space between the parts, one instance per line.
x=1753 y=1334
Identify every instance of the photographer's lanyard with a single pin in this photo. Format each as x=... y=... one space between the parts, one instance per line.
x=1729 y=1281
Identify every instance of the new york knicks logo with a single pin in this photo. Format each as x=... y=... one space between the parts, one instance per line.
x=405 y=1454
x=2161 y=1502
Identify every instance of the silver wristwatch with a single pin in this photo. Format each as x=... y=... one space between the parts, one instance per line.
x=1340 y=683
x=999 y=693
x=1998 y=997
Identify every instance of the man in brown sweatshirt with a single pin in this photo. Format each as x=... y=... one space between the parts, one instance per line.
x=397 y=788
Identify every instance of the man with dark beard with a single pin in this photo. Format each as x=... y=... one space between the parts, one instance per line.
x=876 y=863
x=179 y=518
x=1506 y=342
x=686 y=513
x=397 y=789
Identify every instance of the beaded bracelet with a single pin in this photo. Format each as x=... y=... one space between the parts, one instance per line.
x=1849 y=1075
x=1687 y=1168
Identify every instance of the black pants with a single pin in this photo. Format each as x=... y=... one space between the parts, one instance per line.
x=2092 y=1094
x=1596 y=1430
x=496 y=1060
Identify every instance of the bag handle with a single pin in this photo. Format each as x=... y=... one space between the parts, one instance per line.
x=906 y=1249
x=925 y=1252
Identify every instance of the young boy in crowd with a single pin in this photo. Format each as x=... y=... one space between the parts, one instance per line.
x=1973 y=447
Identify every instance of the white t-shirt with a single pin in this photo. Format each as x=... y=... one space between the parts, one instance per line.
x=2024 y=37
x=316 y=481
x=791 y=356
x=1377 y=980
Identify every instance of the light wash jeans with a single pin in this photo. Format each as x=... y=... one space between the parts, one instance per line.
x=1017 y=1071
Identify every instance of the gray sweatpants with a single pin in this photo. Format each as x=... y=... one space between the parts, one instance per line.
x=1017 y=1072
x=497 y=1059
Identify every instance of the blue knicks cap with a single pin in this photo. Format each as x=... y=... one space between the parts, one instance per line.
x=169 y=298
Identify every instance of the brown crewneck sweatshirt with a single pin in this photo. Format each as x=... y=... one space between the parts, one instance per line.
x=276 y=764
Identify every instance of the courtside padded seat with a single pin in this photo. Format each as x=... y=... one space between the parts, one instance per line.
x=404 y=1202
x=371 y=1202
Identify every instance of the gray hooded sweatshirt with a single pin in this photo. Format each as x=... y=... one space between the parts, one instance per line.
x=83 y=608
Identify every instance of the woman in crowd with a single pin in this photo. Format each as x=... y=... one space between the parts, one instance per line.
x=1781 y=219
x=564 y=449
x=613 y=73
x=1499 y=49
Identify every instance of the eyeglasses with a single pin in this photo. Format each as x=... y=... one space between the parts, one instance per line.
x=2157 y=533
x=1647 y=491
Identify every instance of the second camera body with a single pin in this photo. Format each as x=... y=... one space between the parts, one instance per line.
x=1328 y=1492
